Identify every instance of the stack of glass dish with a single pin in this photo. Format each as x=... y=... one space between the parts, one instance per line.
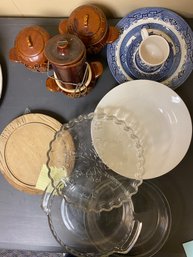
x=90 y=210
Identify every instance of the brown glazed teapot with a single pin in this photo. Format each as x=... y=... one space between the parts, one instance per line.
x=89 y=23
x=29 y=48
x=73 y=75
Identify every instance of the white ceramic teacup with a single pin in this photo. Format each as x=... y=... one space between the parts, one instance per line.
x=153 y=50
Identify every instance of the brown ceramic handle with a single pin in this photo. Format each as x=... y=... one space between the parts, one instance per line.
x=63 y=26
x=52 y=86
x=97 y=69
x=113 y=34
x=13 y=56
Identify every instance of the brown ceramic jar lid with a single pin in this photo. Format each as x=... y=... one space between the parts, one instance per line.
x=30 y=41
x=64 y=49
x=89 y=23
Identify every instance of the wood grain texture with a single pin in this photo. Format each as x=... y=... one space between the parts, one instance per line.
x=24 y=144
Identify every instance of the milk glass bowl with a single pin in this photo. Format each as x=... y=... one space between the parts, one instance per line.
x=87 y=182
x=158 y=116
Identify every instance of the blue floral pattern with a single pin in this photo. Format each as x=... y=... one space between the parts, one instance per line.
x=121 y=55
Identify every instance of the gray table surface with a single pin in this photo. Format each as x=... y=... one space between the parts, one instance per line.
x=23 y=225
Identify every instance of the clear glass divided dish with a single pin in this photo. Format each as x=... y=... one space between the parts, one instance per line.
x=86 y=182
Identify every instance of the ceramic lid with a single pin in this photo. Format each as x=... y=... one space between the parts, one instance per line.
x=89 y=23
x=31 y=41
x=64 y=49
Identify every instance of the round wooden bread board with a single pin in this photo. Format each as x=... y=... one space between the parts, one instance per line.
x=24 y=144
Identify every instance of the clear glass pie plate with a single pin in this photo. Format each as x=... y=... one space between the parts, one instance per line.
x=86 y=181
x=153 y=210
x=89 y=233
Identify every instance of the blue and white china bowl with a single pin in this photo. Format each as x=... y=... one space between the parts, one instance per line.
x=121 y=54
x=143 y=66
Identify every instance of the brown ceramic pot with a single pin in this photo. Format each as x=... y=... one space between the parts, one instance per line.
x=67 y=56
x=89 y=23
x=29 y=48
x=73 y=75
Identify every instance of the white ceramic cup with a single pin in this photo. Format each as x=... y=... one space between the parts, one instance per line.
x=153 y=50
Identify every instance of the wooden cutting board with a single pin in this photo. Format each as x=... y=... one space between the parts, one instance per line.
x=24 y=144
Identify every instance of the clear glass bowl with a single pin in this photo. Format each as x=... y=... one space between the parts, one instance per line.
x=153 y=210
x=90 y=233
x=87 y=182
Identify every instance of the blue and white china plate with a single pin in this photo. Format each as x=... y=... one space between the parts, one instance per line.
x=121 y=54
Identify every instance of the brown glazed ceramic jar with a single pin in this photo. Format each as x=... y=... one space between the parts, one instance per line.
x=67 y=56
x=73 y=75
x=89 y=23
x=29 y=48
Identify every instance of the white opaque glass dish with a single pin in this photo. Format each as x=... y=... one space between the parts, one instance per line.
x=160 y=120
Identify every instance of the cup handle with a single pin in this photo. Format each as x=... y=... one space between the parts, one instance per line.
x=52 y=86
x=97 y=69
x=13 y=55
x=113 y=34
x=144 y=33
x=63 y=27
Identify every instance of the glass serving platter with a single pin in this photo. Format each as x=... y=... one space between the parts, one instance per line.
x=90 y=184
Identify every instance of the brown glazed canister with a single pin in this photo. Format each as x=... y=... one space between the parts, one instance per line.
x=29 y=48
x=67 y=56
x=89 y=23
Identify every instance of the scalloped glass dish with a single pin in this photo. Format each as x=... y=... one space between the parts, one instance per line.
x=117 y=144
x=89 y=209
x=90 y=184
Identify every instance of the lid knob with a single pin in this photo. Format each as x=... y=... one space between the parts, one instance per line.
x=86 y=20
x=62 y=46
x=29 y=41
